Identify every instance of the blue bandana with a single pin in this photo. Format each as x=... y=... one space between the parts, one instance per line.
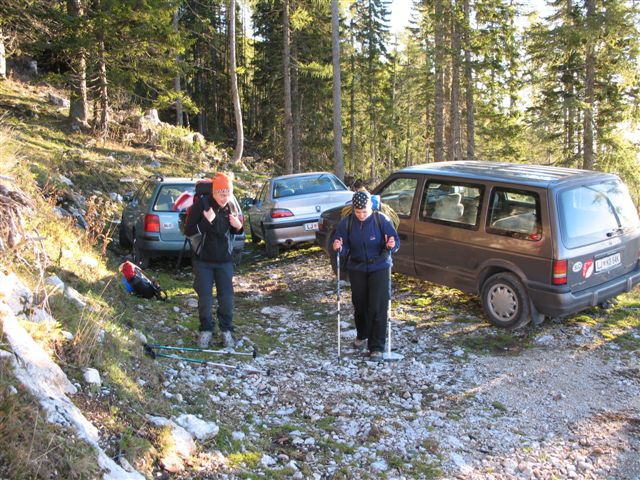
x=361 y=200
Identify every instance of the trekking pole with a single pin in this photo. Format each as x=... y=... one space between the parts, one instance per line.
x=389 y=317
x=253 y=353
x=224 y=366
x=389 y=356
x=338 y=295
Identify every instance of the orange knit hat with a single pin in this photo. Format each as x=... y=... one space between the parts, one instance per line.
x=222 y=183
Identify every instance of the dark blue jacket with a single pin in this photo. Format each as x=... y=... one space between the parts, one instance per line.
x=365 y=247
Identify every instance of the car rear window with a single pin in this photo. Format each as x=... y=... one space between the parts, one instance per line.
x=325 y=182
x=592 y=213
x=168 y=194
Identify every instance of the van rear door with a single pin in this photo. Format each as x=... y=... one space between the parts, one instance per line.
x=600 y=232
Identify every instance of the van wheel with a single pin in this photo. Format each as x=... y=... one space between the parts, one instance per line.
x=272 y=249
x=505 y=301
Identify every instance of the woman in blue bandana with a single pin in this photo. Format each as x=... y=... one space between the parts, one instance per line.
x=366 y=240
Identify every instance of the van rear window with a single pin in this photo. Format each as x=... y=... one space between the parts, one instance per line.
x=592 y=213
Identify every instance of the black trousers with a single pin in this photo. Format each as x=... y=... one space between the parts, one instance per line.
x=370 y=293
x=206 y=276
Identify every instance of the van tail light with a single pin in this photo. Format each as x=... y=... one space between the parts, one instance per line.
x=281 y=213
x=559 y=272
x=152 y=223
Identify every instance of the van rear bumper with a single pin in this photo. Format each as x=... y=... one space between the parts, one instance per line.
x=559 y=301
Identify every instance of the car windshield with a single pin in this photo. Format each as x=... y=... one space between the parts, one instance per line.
x=591 y=213
x=325 y=182
x=168 y=194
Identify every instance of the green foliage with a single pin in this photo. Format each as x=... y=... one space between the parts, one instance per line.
x=558 y=53
x=32 y=448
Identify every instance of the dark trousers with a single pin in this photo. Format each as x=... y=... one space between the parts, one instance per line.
x=370 y=297
x=206 y=275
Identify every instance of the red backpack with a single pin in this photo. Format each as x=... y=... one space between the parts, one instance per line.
x=136 y=281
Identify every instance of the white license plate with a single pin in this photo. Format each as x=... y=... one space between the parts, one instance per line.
x=310 y=226
x=608 y=262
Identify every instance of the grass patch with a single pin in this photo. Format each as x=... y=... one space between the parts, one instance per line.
x=499 y=406
x=248 y=460
x=30 y=447
x=498 y=343
x=326 y=423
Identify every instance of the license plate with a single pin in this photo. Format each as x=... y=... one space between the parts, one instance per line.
x=608 y=262
x=310 y=226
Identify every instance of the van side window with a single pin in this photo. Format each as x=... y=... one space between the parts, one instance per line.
x=514 y=213
x=454 y=203
x=399 y=195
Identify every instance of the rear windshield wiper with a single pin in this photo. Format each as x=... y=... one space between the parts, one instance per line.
x=616 y=231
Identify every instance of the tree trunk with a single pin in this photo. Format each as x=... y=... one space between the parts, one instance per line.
x=103 y=121
x=177 y=86
x=468 y=80
x=589 y=90
x=296 y=109
x=337 y=98
x=235 y=96
x=288 y=120
x=438 y=134
x=454 y=152
x=352 y=109
x=3 y=60
x=79 y=106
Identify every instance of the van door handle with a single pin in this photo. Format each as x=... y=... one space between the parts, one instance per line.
x=402 y=236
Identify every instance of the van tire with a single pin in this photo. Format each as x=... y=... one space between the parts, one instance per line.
x=505 y=301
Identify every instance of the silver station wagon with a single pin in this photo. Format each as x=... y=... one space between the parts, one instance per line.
x=288 y=207
x=532 y=241
x=150 y=222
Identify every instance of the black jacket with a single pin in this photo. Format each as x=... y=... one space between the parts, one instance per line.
x=218 y=243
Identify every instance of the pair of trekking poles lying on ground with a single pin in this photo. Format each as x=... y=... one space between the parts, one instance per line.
x=388 y=355
x=150 y=350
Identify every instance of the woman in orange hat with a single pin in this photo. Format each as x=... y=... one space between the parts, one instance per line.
x=214 y=219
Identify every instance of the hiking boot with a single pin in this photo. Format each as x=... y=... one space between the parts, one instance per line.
x=376 y=356
x=227 y=340
x=359 y=344
x=204 y=339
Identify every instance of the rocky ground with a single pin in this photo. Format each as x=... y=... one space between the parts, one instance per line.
x=465 y=401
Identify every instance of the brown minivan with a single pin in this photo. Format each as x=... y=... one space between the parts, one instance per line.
x=532 y=241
